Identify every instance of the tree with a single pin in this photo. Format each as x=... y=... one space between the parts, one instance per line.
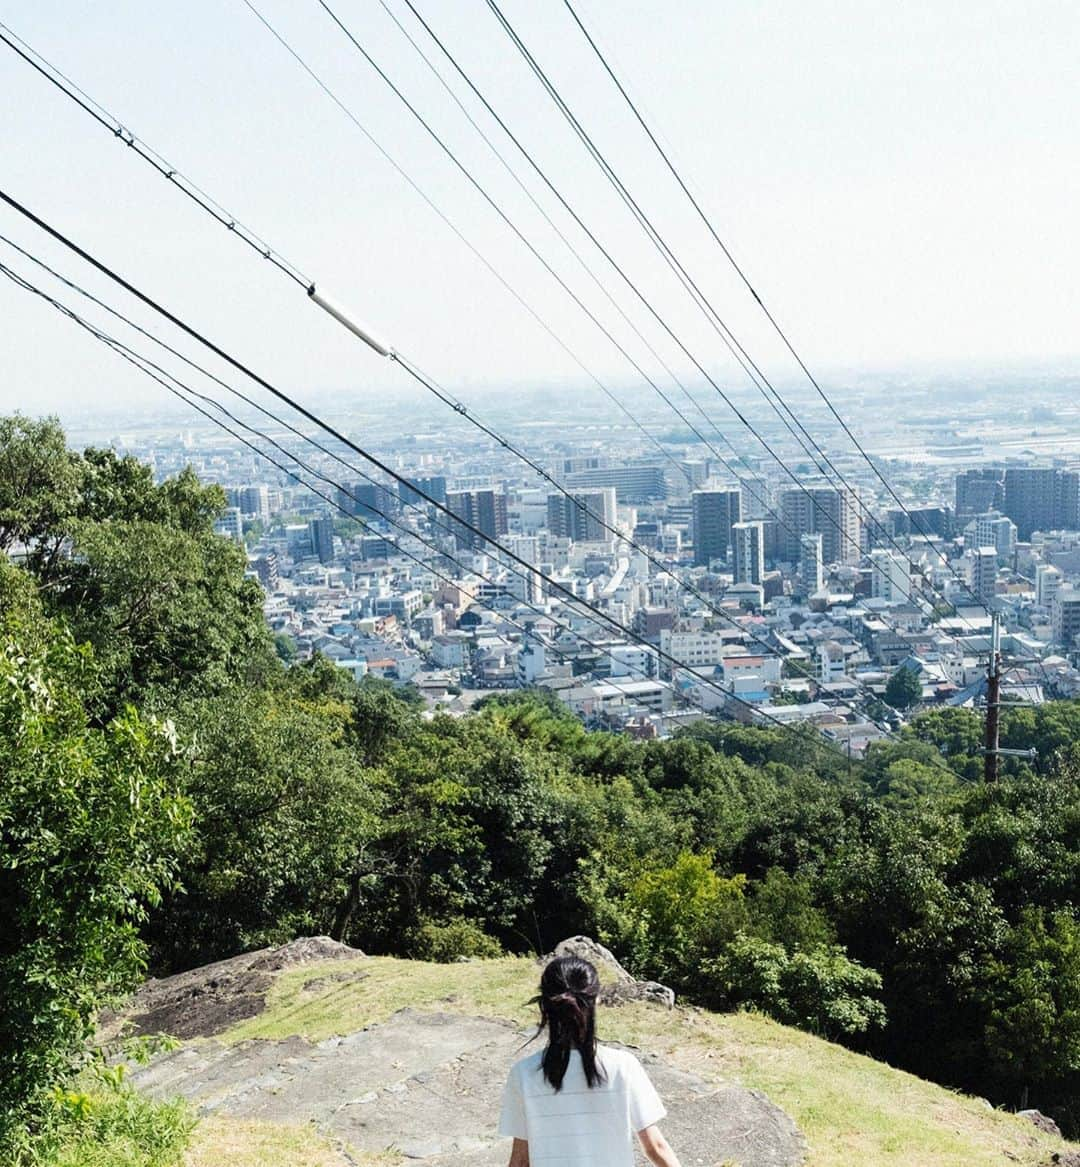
x=39 y=485
x=904 y=689
x=281 y=807
x=90 y=828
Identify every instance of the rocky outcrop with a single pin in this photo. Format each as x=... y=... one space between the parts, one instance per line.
x=208 y=1000
x=430 y=1084
x=619 y=986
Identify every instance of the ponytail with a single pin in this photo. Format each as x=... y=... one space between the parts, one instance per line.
x=568 y=992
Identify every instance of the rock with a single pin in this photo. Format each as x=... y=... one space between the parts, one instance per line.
x=1042 y=1121
x=430 y=1084
x=208 y=1000
x=619 y=986
x=588 y=949
x=1064 y=1159
x=620 y=994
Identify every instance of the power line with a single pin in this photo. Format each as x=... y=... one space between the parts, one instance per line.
x=730 y=258
x=429 y=383
x=120 y=131
x=218 y=351
x=179 y=388
x=741 y=358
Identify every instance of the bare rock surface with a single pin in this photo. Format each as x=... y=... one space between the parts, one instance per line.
x=429 y=1084
x=208 y=1000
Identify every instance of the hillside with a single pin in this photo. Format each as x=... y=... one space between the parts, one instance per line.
x=402 y=1053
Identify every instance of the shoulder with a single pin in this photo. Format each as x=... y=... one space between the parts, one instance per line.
x=619 y=1062
x=527 y=1065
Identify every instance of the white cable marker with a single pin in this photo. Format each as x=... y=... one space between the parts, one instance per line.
x=342 y=317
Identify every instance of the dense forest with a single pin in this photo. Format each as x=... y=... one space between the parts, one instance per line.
x=172 y=792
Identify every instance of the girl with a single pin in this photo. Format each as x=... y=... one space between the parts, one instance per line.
x=572 y=1104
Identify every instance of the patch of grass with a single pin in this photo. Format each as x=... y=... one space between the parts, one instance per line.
x=231 y=1142
x=851 y=1108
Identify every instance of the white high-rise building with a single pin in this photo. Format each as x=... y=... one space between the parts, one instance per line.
x=1049 y=580
x=811 y=569
x=891 y=576
x=981 y=566
x=749 y=540
x=230 y=525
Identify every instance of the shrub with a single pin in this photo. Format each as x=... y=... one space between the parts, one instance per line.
x=445 y=942
x=822 y=991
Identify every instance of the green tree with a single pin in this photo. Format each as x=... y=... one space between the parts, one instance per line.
x=90 y=827
x=904 y=689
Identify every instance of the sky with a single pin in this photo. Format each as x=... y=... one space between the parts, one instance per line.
x=898 y=180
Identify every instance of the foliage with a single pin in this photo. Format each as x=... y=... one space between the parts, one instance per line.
x=90 y=825
x=822 y=991
x=455 y=939
x=904 y=688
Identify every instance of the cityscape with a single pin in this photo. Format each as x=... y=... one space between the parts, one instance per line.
x=645 y=587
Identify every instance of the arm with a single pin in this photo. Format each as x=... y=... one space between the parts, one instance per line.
x=656 y=1147
x=519 y=1156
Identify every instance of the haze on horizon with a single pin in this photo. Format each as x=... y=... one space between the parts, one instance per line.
x=899 y=182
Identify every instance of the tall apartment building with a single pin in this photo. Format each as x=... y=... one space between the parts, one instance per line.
x=1066 y=617
x=587 y=516
x=1042 y=499
x=322 y=538
x=749 y=540
x=831 y=512
x=1049 y=580
x=266 y=569
x=980 y=490
x=811 y=566
x=483 y=509
x=255 y=501
x=368 y=500
x=432 y=485
x=756 y=498
x=992 y=529
x=713 y=514
x=981 y=564
x=633 y=483
x=891 y=576
x=230 y=524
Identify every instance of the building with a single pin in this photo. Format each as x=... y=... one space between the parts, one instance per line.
x=321 y=532
x=891 y=576
x=634 y=660
x=585 y=516
x=266 y=569
x=981 y=564
x=230 y=524
x=434 y=486
x=827 y=511
x=633 y=483
x=811 y=567
x=1042 y=499
x=484 y=510
x=749 y=539
x=1049 y=580
x=255 y=502
x=714 y=513
x=992 y=529
x=756 y=498
x=1066 y=617
x=980 y=490
x=368 y=500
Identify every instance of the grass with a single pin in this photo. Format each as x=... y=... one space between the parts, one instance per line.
x=851 y=1108
x=239 y=1143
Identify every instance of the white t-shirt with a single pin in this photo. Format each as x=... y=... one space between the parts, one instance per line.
x=580 y=1126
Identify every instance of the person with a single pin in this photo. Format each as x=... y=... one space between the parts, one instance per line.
x=573 y=1104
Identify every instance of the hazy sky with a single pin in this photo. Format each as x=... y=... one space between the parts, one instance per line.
x=900 y=181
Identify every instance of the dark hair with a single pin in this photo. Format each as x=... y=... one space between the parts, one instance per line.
x=568 y=992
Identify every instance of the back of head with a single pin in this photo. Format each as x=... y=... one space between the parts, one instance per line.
x=569 y=988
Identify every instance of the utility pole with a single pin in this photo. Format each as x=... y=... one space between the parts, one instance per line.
x=992 y=740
